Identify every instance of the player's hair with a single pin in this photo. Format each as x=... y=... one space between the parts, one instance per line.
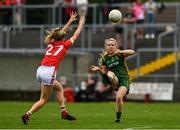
x=104 y=53
x=55 y=34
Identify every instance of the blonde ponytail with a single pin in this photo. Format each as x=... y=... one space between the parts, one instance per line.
x=55 y=34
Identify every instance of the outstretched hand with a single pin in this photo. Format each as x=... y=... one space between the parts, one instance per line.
x=93 y=68
x=73 y=16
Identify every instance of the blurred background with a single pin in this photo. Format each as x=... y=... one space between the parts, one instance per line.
x=152 y=30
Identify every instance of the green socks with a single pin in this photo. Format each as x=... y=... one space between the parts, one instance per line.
x=118 y=115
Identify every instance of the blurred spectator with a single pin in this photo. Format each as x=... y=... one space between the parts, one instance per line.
x=105 y=11
x=106 y=7
x=80 y=91
x=68 y=9
x=138 y=8
x=68 y=90
x=150 y=9
x=161 y=8
x=82 y=6
x=110 y=2
x=7 y=12
x=91 y=85
x=86 y=91
x=119 y=35
x=63 y=81
x=59 y=10
x=69 y=94
x=18 y=13
x=128 y=18
x=102 y=91
x=69 y=6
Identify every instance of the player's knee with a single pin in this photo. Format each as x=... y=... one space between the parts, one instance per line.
x=58 y=86
x=59 y=89
x=111 y=74
x=119 y=99
x=44 y=100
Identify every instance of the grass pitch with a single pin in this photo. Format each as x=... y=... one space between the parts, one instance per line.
x=93 y=116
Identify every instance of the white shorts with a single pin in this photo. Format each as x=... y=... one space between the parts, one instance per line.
x=46 y=74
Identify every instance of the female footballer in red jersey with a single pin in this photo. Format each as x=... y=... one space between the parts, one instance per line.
x=46 y=72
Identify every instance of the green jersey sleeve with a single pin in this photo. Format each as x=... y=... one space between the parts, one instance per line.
x=101 y=61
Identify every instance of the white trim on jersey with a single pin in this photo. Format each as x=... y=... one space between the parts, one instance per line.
x=72 y=40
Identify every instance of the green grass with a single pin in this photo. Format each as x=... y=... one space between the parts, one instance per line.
x=92 y=116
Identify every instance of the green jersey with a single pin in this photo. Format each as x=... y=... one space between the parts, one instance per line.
x=116 y=64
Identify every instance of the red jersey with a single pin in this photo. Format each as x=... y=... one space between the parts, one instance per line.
x=55 y=53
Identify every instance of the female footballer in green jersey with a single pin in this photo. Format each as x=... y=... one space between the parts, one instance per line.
x=114 y=71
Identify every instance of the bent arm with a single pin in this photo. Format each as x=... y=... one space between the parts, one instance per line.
x=128 y=52
x=125 y=52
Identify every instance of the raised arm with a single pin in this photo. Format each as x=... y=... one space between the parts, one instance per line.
x=125 y=52
x=73 y=17
x=79 y=28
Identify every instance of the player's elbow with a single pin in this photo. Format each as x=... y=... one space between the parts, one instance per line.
x=133 y=52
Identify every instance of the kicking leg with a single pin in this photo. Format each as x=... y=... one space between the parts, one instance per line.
x=113 y=80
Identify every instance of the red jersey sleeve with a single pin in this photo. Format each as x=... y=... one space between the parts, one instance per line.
x=68 y=43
